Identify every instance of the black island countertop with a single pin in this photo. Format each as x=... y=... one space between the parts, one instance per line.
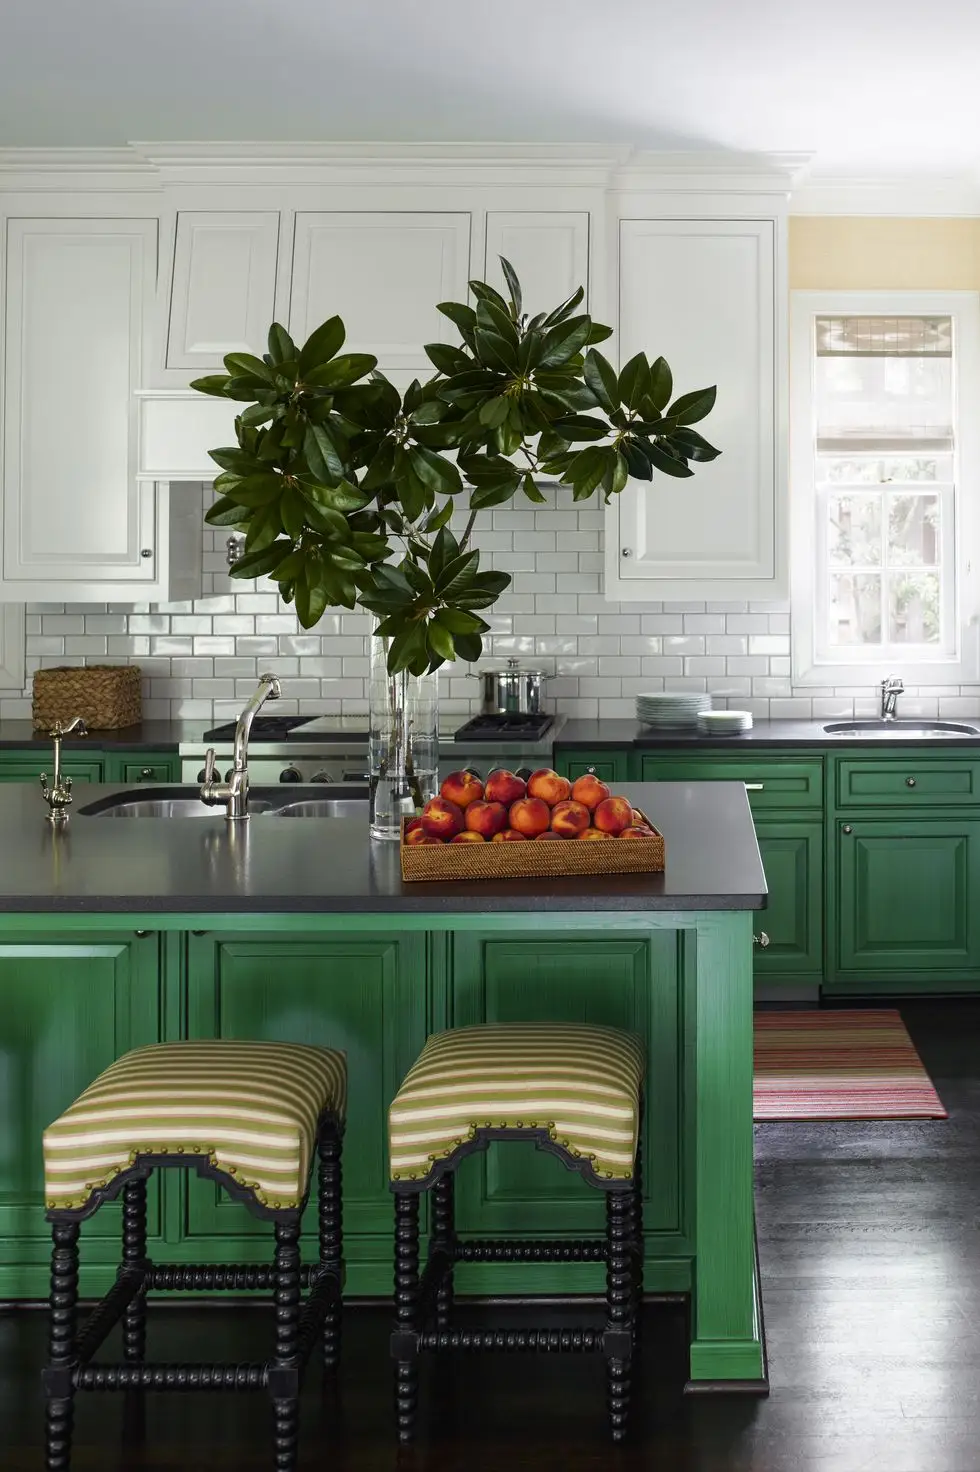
x=329 y=865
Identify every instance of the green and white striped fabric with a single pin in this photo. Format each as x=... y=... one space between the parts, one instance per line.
x=251 y=1108
x=581 y=1083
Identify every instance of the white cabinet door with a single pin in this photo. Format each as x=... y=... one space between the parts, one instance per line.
x=224 y=286
x=383 y=273
x=706 y=295
x=76 y=522
x=549 y=251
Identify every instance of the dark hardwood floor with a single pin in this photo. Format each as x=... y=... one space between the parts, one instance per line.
x=870 y=1247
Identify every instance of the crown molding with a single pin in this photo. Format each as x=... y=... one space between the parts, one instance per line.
x=707 y=172
x=916 y=195
x=75 y=168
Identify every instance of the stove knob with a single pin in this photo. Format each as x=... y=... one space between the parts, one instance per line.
x=202 y=775
x=524 y=772
x=229 y=774
x=290 y=774
x=322 y=776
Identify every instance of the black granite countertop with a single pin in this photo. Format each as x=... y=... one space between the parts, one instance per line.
x=594 y=735
x=329 y=865
x=162 y=736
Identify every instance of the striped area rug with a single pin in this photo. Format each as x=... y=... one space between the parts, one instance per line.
x=840 y=1065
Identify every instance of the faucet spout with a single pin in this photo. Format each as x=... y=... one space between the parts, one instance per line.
x=891 y=689
x=234 y=793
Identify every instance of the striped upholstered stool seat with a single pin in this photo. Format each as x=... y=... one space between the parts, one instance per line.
x=575 y=1090
x=250 y=1116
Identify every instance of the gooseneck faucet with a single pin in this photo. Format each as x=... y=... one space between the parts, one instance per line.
x=234 y=792
x=891 y=689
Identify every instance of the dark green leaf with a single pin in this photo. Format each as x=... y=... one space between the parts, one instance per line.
x=661 y=459
x=445 y=549
x=438 y=518
x=563 y=341
x=324 y=343
x=438 y=474
x=634 y=381
x=513 y=286
x=441 y=640
x=447 y=359
x=532 y=493
x=292 y=510
x=321 y=454
x=565 y=310
x=463 y=317
x=580 y=427
x=456 y=574
x=495 y=351
x=263 y=528
x=212 y=383
x=226 y=511
x=430 y=412
x=494 y=411
x=693 y=445
x=598 y=332
x=341 y=372
x=380 y=467
x=257 y=564
x=258 y=414
x=637 y=463
x=616 y=475
x=586 y=471
x=232 y=458
x=469 y=647
x=481 y=497
x=600 y=375
x=282 y=349
x=311 y=596
x=258 y=490
x=458 y=622
x=661 y=384
x=689 y=408
x=247 y=365
x=343 y=497
x=486 y=293
x=245 y=390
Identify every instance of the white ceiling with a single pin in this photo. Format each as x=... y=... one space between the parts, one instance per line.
x=867 y=86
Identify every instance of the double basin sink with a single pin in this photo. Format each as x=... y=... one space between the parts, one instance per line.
x=263 y=802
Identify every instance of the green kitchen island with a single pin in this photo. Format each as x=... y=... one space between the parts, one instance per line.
x=116 y=933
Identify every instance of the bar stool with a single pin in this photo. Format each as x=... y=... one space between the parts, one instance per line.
x=245 y=1114
x=576 y=1092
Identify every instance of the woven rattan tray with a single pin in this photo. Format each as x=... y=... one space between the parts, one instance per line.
x=531 y=860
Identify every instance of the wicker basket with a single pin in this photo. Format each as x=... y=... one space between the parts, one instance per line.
x=106 y=696
x=531 y=860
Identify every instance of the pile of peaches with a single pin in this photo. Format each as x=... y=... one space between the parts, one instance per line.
x=506 y=809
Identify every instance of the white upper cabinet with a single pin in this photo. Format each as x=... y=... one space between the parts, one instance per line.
x=77 y=523
x=383 y=273
x=707 y=295
x=549 y=250
x=223 y=293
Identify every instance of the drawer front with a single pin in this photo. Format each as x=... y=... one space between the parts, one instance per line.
x=911 y=783
x=149 y=770
x=772 y=783
x=608 y=766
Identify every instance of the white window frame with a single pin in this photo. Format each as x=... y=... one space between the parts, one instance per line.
x=961 y=664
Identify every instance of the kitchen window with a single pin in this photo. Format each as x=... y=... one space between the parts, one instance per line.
x=884 y=486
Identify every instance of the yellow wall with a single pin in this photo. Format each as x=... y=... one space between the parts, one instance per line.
x=849 y=253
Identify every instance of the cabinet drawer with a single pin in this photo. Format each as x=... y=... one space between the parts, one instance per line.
x=608 y=766
x=912 y=783
x=151 y=769
x=771 y=782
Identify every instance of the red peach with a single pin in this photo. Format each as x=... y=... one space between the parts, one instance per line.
x=589 y=791
x=509 y=835
x=442 y=818
x=635 y=832
x=486 y=818
x=468 y=835
x=549 y=834
x=462 y=788
x=637 y=819
x=412 y=825
x=530 y=816
x=569 y=818
x=594 y=833
x=503 y=786
x=547 y=785
x=416 y=835
x=613 y=815
x=429 y=842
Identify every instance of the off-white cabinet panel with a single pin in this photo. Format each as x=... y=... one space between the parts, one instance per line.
x=549 y=251
x=704 y=294
x=76 y=522
x=224 y=286
x=383 y=273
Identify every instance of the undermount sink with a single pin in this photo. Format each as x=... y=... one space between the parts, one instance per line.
x=324 y=807
x=124 y=806
x=899 y=728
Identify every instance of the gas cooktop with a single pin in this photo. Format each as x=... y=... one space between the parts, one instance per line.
x=280 y=728
x=505 y=728
x=338 y=730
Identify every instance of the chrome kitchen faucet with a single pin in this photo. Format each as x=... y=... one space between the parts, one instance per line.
x=891 y=689
x=234 y=792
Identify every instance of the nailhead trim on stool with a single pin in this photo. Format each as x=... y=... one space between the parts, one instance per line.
x=247 y=1115
x=476 y=1085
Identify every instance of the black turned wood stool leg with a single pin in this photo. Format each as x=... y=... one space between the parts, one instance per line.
x=63 y=1307
x=284 y=1370
x=331 y=1234
x=134 y=1258
x=404 y=1346
x=443 y=1241
x=620 y=1299
x=639 y=1246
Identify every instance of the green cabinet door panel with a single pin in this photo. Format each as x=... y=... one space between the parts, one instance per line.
x=608 y=766
x=775 y=781
x=908 y=896
x=28 y=767
x=67 y=1010
x=362 y=994
x=136 y=767
x=792 y=853
x=629 y=982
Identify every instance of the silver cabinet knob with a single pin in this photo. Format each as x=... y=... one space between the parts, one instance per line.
x=910 y=781
x=146 y=552
x=147 y=774
x=761 y=939
x=847 y=828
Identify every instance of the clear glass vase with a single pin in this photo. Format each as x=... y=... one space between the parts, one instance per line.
x=403 y=743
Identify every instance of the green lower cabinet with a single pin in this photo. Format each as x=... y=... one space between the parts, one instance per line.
x=364 y=994
x=608 y=766
x=631 y=982
x=908 y=903
x=792 y=853
x=67 y=1010
x=28 y=767
x=138 y=767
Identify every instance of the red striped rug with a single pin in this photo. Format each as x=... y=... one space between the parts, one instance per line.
x=840 y=1065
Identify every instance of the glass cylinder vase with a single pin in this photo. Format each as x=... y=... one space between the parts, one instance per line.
x=403 y=742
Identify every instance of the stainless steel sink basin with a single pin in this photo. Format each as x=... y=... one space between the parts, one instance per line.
x=900 y=728
x=163 y=807
x=324 y=807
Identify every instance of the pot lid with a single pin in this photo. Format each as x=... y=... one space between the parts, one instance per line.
x=514 y=667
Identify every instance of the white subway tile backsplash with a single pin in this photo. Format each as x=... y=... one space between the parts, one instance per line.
x=201 y=659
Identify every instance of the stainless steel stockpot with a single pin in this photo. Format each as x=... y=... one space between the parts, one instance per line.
x=511 y=691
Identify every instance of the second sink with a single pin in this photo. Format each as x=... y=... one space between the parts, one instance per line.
x=899 y=728
x=324 y=807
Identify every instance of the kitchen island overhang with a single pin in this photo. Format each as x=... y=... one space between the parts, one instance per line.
x=114 y=933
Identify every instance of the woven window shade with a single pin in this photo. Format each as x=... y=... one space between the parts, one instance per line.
x=884 y=337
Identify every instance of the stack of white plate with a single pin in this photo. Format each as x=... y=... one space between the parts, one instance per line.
x=724 y=722
x=671 y=708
